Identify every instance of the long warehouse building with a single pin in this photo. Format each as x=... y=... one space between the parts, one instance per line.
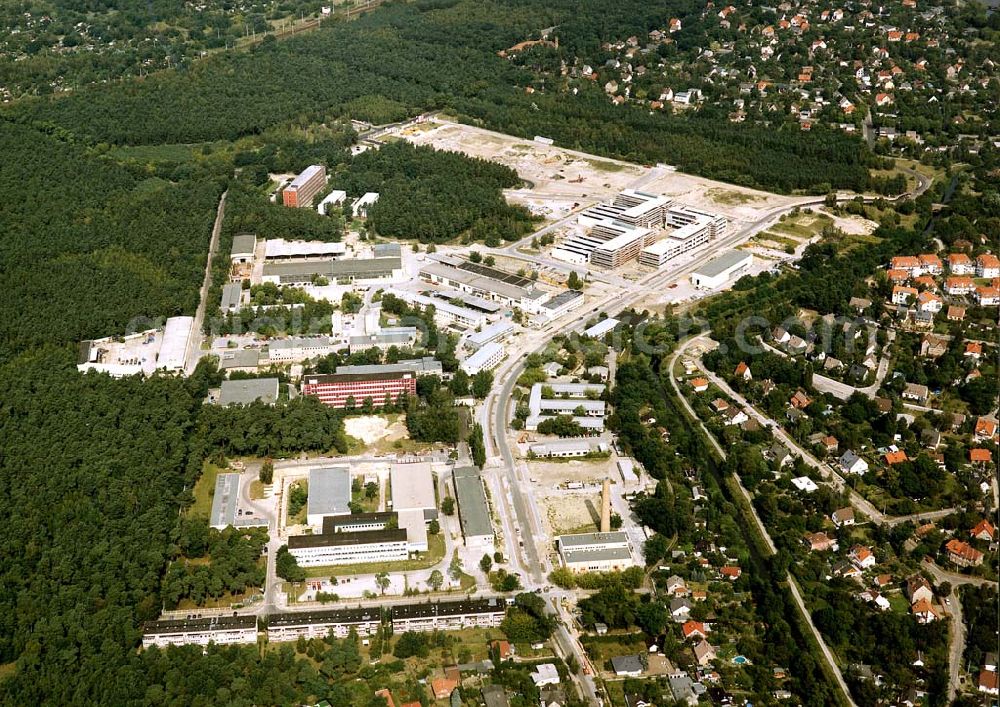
x=473 y=509
x=336 y=272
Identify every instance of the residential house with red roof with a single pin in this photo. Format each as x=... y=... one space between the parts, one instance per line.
x=983 y=530
x=987 y=265
x=963 y=554
x=960 y=264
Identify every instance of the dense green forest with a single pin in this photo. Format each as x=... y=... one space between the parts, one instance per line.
x=91 y=473
x=210 y=563
x=435 y=196
x=88 y=246
x=408 y=58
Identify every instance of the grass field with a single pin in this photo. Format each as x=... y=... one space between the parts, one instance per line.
x=204 y=489
x=300 y=517
x=604 y=166
x=729 y=197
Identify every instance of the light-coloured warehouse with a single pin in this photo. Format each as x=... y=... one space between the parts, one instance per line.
x=596 y=552
x=719 y=271
x=329 y=494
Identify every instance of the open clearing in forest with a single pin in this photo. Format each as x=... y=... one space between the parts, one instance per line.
x=558 y=180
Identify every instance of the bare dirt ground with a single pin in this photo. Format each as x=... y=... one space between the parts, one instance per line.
x=852 y=225
x=563 y=510
x=553 y=474
x=570 y=512
x=738 y=203
x=372 y=428
x=559 y=178
x=553 y=173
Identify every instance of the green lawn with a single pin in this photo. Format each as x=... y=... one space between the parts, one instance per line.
x=603 y=648
x=300 y=517
x=204 y=489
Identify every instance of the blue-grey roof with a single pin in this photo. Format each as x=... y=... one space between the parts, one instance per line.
x=473 y=511
x=329 y=491
x=224 y=500
x=244 y=392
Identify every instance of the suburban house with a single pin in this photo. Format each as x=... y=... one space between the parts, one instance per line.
x=851 y=463
x=820 y=542
x=924 y=611
x=917 y=392
x=918 y=588
x=843 y=516
x=983 y=530
x=862 y=557
x=962 y=554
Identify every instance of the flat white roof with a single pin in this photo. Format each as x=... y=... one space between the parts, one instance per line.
x=804 y=483
x=582 y=446
x=630 y=236
x=306 y=174
x=440 y=305
x=482 y=355
x=601 y=328
x=723 y=263
x=295 y=342
x=173 y=350
x=280 y=248
x=649 y=202
x=491 y=332
x=412 y=487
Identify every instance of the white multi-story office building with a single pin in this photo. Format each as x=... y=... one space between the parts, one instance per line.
x=679 y=241
x=299 y=348
x=349 y=548
x=486 y=358
x=682 y=215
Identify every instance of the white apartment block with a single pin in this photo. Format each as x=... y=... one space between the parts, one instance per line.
x=320 y=624
x=448 y=616
x=221 y=630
